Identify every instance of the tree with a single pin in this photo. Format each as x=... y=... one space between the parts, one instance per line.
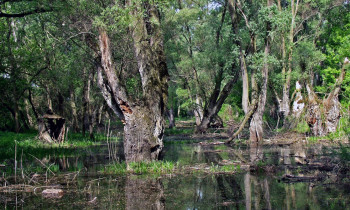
x=202 y=53
x=144 y=116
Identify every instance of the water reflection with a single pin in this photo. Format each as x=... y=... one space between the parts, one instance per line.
x=251 y=189
x=144 y=193
x=255 y=152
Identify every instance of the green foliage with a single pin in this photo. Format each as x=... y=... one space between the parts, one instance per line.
x=302 y=127
x=336 y=43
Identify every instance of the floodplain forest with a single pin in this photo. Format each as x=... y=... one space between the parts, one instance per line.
x=167 y=104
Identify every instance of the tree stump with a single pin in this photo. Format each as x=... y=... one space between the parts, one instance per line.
x=51 y=128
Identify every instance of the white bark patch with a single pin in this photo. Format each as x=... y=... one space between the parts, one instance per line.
x=298 y=104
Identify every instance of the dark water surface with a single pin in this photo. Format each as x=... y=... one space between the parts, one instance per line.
x=285 y=176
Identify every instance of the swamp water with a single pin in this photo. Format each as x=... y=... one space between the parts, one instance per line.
x=284 y=176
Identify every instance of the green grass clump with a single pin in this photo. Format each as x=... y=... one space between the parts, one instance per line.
x=302 y=127
x=154 y=167
x=224 y=169
x=117 y=168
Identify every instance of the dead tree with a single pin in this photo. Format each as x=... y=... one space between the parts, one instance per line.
x=51 y=128
x=323 y=115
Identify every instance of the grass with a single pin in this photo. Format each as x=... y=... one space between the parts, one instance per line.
x=29 y=143
x=177 y=131
x=224 y=169
x=154 y=167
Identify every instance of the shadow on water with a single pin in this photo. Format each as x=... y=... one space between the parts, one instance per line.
x=281 y=176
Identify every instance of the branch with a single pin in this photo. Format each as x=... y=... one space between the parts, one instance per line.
x=35 y=11
x=245 y=120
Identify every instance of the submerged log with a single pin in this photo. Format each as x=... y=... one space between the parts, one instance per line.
x=52 y=193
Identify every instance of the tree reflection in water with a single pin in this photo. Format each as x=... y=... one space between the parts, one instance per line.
x=144 y=193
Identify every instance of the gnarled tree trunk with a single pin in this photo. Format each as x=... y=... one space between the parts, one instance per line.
x=323 y=115
x=143 y=118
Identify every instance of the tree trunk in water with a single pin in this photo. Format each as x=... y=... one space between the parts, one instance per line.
x=143 y=135
x=144 y=118
x=256 y=124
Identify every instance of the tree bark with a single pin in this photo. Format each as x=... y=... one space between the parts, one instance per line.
x=144 y=118
x=87 y=109
x=74 y=110
x=171 y=118
x=325 y=120
x=27 y=108
x=314 y=116
x=198 y=110
x=256 y=124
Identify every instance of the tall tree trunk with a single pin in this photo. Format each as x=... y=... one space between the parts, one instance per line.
x=232 y=7
x=16 y=116
x=256 y=124
x=48 y=98
x=245 y=83
x=87 y=118
x=27 y=108
x=74 y=110
x=144 y=118
x=198 y=110
x=171 y=118
x=285 y=106
x=32 y=104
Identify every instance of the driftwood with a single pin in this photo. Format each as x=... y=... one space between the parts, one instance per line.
x=51 y=128
x=292 y=178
